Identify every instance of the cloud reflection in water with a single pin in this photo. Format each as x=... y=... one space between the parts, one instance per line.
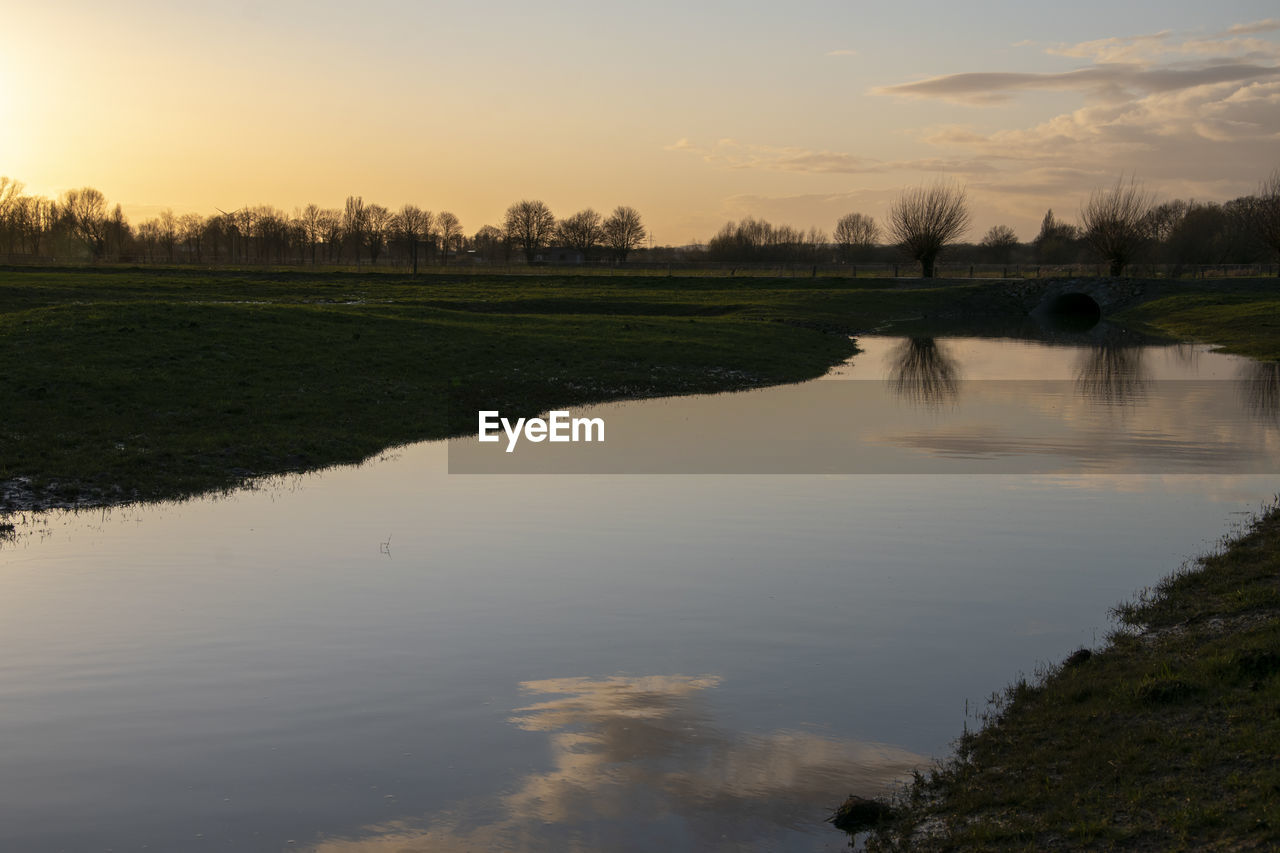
x=638 y=764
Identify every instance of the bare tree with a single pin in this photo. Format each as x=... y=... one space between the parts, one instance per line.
x=377 y=224
x=11 y=208
x=149 y=238
x=85 y=210
x=529 y=225
x=168 y=232
x=1266 y=213
x=815 y=243
x=355 y=222
x=331 y=228
x=311 y=220
x=582 y=232
x=1116 y=222
x=412 y=225
x=450 y=230
x=35 y=217
x=1000 y=242
x=191 y=228
x=925 y=220
x=856 y=236
x=623 y=231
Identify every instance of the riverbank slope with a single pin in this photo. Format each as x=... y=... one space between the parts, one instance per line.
x=1166 y=739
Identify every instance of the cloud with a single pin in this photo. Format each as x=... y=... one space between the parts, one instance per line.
x=1112 y=49
x=841 y=52
x=1263 y=26
x=1115 y=82
x=730 y=153
x=1195 y=116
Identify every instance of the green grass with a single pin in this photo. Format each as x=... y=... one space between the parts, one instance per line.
x=1246 y=323
x=1167 y=739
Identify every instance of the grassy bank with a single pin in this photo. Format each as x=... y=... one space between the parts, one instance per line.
x=1246 y=323
x=145 y=384
x=1167 y=739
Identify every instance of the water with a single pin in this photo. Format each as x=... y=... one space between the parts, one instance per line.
x=391 y=657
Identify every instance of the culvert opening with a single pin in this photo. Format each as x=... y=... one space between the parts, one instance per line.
x=1075 y=310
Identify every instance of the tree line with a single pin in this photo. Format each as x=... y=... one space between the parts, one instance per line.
x=82 y=225
x=1119 y=226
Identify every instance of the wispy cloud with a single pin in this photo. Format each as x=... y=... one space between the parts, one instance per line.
x=1264 y=26
x=1115 y=82
x=731 y=154
x=1119 y=49
x=841 y=52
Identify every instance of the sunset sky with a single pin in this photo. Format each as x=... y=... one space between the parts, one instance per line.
x=694 y=113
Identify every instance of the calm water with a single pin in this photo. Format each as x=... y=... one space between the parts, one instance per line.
x=392 y=657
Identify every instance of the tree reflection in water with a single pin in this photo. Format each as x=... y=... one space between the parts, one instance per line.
x=922 y=371
x=1113 y=373
x=1260 y=383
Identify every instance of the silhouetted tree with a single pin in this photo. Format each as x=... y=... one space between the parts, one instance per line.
x=1116 y=223
x=168 y=232
x=1202 y=235
x=85 y=210
x=450 y=231
x=34 y=218
x=355 y=221
x=582 y=232
x=924 y=220
x=1056 y=242
x=489 y=245
x=10 y=209
x=856 y=236
x=530 y=226
x=999 y=243
x=413 y=225
x=623 y=231
x=1266 y=213
x=377 y=223
x=191 y=230
x=311 y=218
x=331 y=228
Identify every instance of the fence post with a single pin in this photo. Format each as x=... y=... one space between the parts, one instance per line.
x=895 y=270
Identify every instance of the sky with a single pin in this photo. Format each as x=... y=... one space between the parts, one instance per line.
x=693 y=113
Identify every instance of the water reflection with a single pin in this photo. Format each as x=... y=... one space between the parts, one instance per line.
x=1113 y=373
x=924 y=372
x=1260 y=386
x=638 y=763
